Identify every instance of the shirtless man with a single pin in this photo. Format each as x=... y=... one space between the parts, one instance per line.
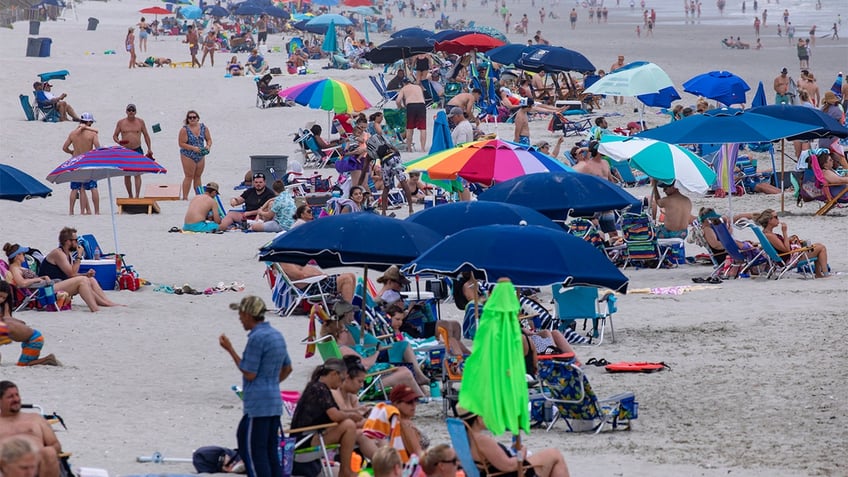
x=84 y=138
x=193 y=41
x=522 y=124
x=807 y=82
x=781 y=88
x=591 y=162
x=465 y=102
x=31 y=426
x=411 y=97
x=541 y=90
x=677 y=209
x=201 y=206
x=343 y=284
x=618 y=64
x=128 y=133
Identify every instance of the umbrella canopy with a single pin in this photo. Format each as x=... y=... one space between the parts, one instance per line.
x=17 y=185
x=246 y=8
x=467 y=43
x=759 y=97
x=327 y=94
x=276 y=12
x=303 y=25
x=722 y=86
x=661 y=99
x=155 y=11
x=191 y=12
x=553 y=59
x=216 y=11
x=529 y=255
x=487 y=30
x=330 y=45
x=365 y=10
x=447 y=219
x=359 y=3
x=447 y=35
x=415 y=32
x=399 y=49
x=178 y=2
x=351 y=240
x=827 y=126
x=507 y=54
x=634 y=79
x=664 y=162
x=726 y=125
x=497 y=363
x=486 y=162
x=326 y=3
x=560 y=194
x=328 y=18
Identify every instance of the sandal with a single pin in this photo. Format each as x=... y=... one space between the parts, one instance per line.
x=597 y=362
x=700 y=280
x=174 y=230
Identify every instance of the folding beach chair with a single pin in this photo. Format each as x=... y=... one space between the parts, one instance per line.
x=462 y=442
x=379 y=82
x=740 y=261
x=575 y=402
x=815 y=188
x=452 y=367
x=780 y=263
x=532 y=311
x=586 y=303
x=641 y=242
x=29 y=111
x=286 y=293
x=54 y=419
x=329 y=348
x=577 y=127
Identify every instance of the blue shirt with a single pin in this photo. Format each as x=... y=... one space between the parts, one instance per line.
x=265 y=354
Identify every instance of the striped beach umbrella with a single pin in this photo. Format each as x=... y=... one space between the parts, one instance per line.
x=327 y=94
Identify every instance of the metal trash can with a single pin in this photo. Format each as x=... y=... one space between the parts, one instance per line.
x=34 y=27
x=44 y=50
x=33 y=46
x=92 y=23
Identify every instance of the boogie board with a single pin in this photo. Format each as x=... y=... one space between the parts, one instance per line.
x=635 y=367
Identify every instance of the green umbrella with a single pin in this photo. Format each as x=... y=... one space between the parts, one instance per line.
x=493 y=383
x=330 y=45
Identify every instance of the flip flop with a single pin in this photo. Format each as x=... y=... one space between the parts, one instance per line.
x=174 y=230
x=597 y=362
x=700 y=280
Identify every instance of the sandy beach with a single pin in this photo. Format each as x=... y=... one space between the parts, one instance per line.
x=758 y=374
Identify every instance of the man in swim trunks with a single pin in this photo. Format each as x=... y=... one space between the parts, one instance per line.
x=781 y=88
x=522 y=123
x=31 y=426
x=84 y=138
x=193 y=41
x=677 y=209
x=619 y=62
x=200 y=208
x=411 y=97
x=252 y=198
x=128 y=133
x=262 y=29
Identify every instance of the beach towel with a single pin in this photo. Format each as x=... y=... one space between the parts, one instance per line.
x=383 y=424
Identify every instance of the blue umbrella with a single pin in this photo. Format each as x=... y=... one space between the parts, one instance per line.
x=351 y=240
x=448 y=219
x=329 y=45
x=366 y=11
x=246 y=8
x=827 y=126
x=445 y=35
x=178 y=2
x=216 y=11
x=190 y=12
x=304 y=25
x=276 y=12
x=553 y=59
x=726 y=125
x=509 y=54
x=326 y=3
x=17 y=185
x=327 y=18
x=399 y=49
x=661 y=99
x=759 y=97
x=722 y=86
x=529 y=255
x=560 y=194
x=412 y=32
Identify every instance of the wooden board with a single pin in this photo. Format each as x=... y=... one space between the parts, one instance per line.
x=138 y=206
x=162 y=191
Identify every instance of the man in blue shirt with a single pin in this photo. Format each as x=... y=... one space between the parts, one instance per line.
x=264 y=364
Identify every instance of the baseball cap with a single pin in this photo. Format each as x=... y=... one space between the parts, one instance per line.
x=211 y=186
x=131 y=106
x=86 y=118
x=342 y=307
x=403 y=393
x=46 y=84
x=456 y=111
x=784 y=70
x=252 y=305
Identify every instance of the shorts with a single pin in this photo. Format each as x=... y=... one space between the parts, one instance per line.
x=393 y=170
x=663 y=232
x=142 y=34
x=329 y=285
x=88 y=185
x=263 y=36
x=272 y=226
x=782 y=98
x=31 y=349
x=607 y=221
x=524 y=140
x=201 y=227
x=193 y=50
x=416 y=116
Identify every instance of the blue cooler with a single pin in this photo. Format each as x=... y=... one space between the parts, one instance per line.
x=677 y=254
x=104 y=272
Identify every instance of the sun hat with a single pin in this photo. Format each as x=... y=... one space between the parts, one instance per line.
x=18 y=251
x=252 y=305
x=830 y=97
x=393 y=273
x=403 y=393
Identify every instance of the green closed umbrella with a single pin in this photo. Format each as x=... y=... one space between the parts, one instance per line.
x=330 y=45
x=493 y=383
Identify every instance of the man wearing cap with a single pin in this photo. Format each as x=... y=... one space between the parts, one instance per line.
x=200 y=208
x=83 y=139
x=128 y=133
x=264 y=364
x=462 y=131
x=252 y=198
x=781 y=88
x=44 y=95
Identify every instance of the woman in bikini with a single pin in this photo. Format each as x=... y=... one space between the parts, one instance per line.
x=143 y=32
x=129 y=43
x=195 y=142
x=210 y=44
x=422 y=67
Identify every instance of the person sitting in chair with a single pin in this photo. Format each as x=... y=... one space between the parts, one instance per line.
x=31 y=427
x=44 y=96
x=234 y=68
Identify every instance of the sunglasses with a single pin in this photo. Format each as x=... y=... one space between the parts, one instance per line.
x=132 y=110
x=193 y=117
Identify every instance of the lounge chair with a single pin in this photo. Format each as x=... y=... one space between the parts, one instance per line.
x=452 y=367
x=577 y=127
x=740 y=262
x=586 y=303
x=287 y=295
x=374 y=387
x=641 y=242
x=379 y=83
x=462 y=442
x=815 y=188
x=574 y=401
x=780 y=263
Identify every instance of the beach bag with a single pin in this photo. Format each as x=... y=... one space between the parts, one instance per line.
x=287 y=453
x=348 y=164
x=211 y=459
x=128 y=281
x=46 y=297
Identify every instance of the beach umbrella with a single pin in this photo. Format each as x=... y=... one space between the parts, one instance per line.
x=105 y=163
x=17 y=185
x=326 y=3
x=634 y=79
x=560 y=194
x=359 y=3
x=327 y=94
x=493 y=383
x=155 y=11
x=249 y=9
x=190 y=12
x=328 y=18
x=468 y=43
x=661 y=99
x=329 y=45
x=399 y=49
x=365 y=10
x=447 y=35
x=487 y=30
x=759 y=97
x=489 y=161
x=276 y=12
x=177 y=2
x=664 y=162
x=413 y=32
x=216 y=11
x=509 y=54
x=529 y=255
x=826 y=125
x=722 y=86
x=448 y=219
x=303 y=25
x=553 y=59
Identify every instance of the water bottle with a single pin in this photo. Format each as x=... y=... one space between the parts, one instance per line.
x=548 y=411
x=97 y=253
x=435 y=391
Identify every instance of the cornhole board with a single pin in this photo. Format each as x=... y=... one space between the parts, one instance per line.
x=138 y=205
x=162 y=191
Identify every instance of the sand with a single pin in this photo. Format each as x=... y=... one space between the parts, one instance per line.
x=758 y=375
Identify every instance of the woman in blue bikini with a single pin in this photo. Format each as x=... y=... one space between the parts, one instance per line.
x=195 y=142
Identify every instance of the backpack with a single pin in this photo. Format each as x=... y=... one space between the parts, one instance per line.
x=211 y=459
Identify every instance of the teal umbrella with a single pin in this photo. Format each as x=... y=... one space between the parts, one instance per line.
x=330 y=44
x=493 y=383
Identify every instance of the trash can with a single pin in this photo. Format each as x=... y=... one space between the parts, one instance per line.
x=92 y=23
x=44 y=50
x=264 y=164
x=33 y=46
x=34 y=26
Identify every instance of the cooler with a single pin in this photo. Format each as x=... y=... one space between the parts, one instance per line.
x=104 y=272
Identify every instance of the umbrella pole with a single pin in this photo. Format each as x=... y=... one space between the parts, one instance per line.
x=782 y=175
x=362 y=305
x=114 y=223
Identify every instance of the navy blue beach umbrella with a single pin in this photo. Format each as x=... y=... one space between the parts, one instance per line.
x=17 y=185
x=447 y=219
x=216 y=11
x=827 y=126
x=412 y=32
x=553 y=59
x=399 y=49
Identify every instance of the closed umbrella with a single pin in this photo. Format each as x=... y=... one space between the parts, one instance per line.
x=441 y=141
x=759 y=97
x=17 y=185
x=722 y=86
x=329 y=45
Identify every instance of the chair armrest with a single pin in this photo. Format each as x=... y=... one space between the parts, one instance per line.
x=319 y=427
x=309 y=280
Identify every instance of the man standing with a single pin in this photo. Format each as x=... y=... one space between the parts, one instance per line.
x=193 y=41
x=781 y=88
x=677 y=209
x=264 y=364
x=84 y=138
x=262 y=30
x=618 y=64
x=522 y=122
x=201 y=206
x=30 y=426
x=590 y=161
x=128 y=133
x=252 y=198
x=462 y=131
x=411 y=97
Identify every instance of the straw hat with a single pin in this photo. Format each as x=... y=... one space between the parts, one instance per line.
x=830 y=98
x=393 y=273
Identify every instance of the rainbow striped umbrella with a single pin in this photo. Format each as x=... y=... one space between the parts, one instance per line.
x=486 y=162
x=327 y=94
